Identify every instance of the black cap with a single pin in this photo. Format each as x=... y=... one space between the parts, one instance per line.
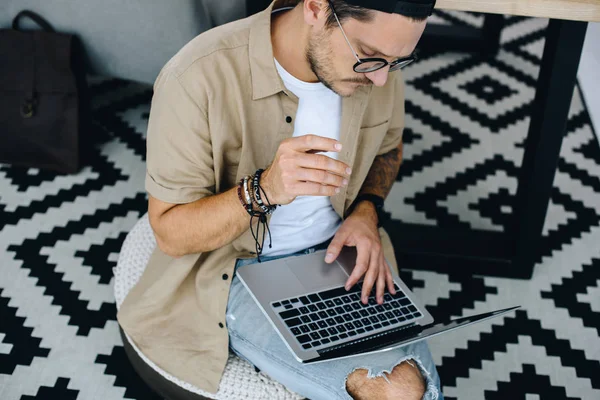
x=409 y=8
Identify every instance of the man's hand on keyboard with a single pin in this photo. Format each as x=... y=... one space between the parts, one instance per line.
x=360 y=230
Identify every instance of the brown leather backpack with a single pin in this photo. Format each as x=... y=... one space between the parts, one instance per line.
x=44 y=106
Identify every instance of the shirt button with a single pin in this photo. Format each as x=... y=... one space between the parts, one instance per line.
x=221 y=325
x=288 y=119
x=225 y=277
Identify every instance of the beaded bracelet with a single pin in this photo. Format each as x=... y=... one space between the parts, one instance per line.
x=239 y=192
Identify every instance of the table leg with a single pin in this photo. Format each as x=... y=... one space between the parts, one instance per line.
x=549 y=114
x=514 y=253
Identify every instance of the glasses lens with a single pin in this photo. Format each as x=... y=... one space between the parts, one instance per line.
x=369 y=66
x=401 y=64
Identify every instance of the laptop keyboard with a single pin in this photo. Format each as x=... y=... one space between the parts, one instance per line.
x=323 y=318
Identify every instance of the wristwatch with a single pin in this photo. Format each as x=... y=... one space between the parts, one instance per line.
x=377 y=201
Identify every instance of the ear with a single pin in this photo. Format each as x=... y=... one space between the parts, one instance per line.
x=315 y=12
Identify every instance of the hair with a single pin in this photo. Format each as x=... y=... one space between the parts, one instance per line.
x=346 y=11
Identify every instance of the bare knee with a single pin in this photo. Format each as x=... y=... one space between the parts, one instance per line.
x=405 y=382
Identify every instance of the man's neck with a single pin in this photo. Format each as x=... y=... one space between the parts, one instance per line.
x=289 y=38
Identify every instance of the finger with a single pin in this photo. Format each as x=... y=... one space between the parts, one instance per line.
x=362 y=265
x=335 y=247
x=313 y=189
x=370 y=278
x=321 y=176
x=322 y=162
x=313 y=142
x=389 y=278
x=380 y=279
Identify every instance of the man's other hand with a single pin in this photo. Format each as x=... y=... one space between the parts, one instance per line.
x=298 y=171
x=360 y=230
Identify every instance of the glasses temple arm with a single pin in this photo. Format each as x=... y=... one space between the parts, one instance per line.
x=345 y=37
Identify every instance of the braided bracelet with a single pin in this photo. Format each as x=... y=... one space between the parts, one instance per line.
x=256 y=186
x=261 y=190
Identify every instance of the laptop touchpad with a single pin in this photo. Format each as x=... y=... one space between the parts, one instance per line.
x=314 y=273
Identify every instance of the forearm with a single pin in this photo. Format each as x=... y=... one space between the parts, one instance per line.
x=201 y=226
x=379 y=181
x=383 y=173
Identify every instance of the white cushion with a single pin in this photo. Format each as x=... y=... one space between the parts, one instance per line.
x=240 y=380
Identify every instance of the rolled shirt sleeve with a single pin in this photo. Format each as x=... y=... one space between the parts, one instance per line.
x=393 y=138
x=179 y=162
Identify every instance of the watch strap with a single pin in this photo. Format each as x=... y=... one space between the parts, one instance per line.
x=377 y=201
x=373 y=198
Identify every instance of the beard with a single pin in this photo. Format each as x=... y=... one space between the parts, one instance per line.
x=320 y=59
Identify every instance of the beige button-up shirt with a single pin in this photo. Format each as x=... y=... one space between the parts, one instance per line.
x=218 y=113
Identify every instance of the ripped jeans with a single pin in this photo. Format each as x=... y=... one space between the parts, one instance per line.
x=252 y=337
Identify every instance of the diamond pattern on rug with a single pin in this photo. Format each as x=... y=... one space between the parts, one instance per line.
x=59 y=391
x=487 y=89
x=466 y=121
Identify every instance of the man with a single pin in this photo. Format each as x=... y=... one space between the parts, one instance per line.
x=311 y=91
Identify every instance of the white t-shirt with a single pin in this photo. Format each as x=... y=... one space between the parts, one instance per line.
x=308 y=220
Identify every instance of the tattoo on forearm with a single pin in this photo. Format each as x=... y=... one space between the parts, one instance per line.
x=383 y=172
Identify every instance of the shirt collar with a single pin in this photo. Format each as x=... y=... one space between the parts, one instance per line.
x=265 y=78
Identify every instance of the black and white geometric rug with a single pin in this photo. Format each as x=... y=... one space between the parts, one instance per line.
x=466 y=120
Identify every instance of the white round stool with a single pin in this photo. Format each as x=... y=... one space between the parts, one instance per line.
x=240 y=380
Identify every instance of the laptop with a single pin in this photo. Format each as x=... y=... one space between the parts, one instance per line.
x=305 y=300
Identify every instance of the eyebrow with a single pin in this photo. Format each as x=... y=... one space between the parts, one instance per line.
x=373 y=50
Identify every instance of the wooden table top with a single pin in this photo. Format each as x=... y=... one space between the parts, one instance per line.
x=578 y=10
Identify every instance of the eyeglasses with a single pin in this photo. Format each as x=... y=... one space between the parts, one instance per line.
x=366 y=65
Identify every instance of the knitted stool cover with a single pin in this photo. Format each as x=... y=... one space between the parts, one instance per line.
x=240 y=380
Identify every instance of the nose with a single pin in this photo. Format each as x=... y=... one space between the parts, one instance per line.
x=379 y=77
